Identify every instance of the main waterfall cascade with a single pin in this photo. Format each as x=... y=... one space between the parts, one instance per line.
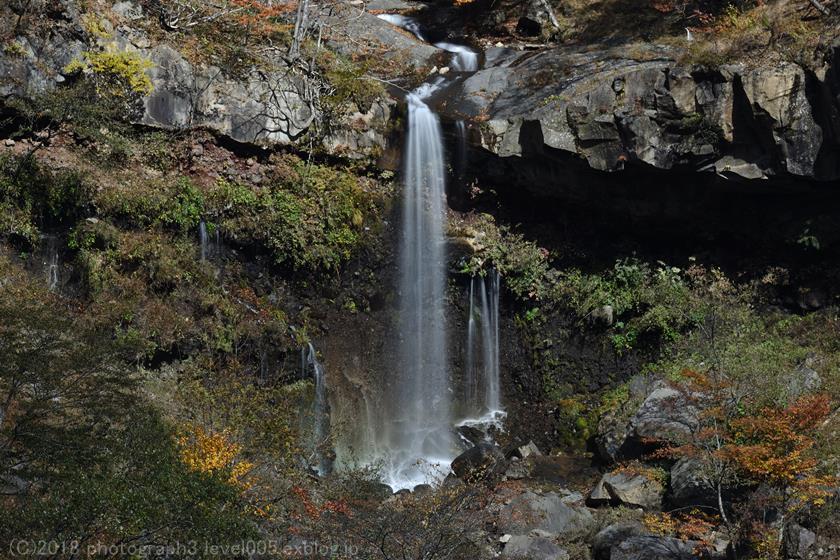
x=415 y=440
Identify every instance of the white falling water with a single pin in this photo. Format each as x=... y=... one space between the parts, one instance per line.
x=420 y=439
x=320 y=411
x=405 y=22
x=465 y=60
x=418 y=425
x=482 y=391
x=51 y=263
x=203 y=239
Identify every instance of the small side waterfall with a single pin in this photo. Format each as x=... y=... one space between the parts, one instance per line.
x=203 y=239
x=465 y=60
x=320 y=410
x=52 y=264
x=482 y=392
x=405 y=22
x=210 y=248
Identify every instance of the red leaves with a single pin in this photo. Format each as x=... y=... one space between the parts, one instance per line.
x=313 y=511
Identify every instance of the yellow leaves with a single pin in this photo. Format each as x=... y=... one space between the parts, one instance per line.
x=214 y=454
x=118 y=72
x=694 y=525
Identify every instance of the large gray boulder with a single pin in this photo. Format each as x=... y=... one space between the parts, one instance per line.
x=628 y=488
x=547 y=513
x=688 y=484
x=524 y=547
x=655 y=548
x=613 y=535
x=799 y=541
x=483 y=462
x=667 y=415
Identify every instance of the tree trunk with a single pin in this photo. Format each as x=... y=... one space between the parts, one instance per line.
x=300 y=28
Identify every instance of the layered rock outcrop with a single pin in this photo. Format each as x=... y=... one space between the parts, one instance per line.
x=611 y=108
x=266 y=105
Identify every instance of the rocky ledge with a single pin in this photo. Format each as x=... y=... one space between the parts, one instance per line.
x=623 y=106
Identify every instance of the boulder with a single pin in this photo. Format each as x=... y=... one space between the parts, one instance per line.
x=524 y=451
x=613 y=535
x=533 y=548
x=518 y=469
x=471 y=434
x=547 y=513
x=372 y=490
x=127 y=10
x=667 y=414
x=802 y=381
x=628 y=488
x=688 y=485
x=422 y=489
x=654 y=548
x=485 y=461
x=610 y=438
x=799 y=541
x=604 y=315
x=13 y=485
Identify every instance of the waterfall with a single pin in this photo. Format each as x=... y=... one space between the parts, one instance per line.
x=405 y=22
x=470 y=378
x=465 y=60
x=482 y=392
x=420 y=432
x=203 y=239
x=417 y=441
x=320 y=411
x=51 y=262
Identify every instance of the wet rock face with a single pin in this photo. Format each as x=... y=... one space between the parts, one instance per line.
x=611 y=110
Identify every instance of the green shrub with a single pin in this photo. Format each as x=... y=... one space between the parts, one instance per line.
x=311 y=218
x=32 y=198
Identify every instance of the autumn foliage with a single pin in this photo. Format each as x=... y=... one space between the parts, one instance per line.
x=263 y=18
x=768 y=451
x=774 y=446
x=214 y=454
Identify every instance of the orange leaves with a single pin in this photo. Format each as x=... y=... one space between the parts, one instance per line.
x=261 y=17
x=663 y=6
x=774 y=446
x=694 y=525
x=214 y=454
